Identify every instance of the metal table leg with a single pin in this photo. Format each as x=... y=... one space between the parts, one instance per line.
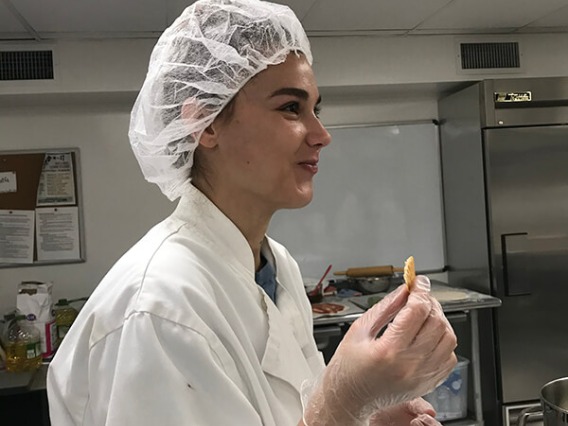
x=475 y=366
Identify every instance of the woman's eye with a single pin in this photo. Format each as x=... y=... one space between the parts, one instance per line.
x=292 y=107
x=317 y=111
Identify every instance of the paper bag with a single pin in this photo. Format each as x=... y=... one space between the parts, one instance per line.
x=35 y=302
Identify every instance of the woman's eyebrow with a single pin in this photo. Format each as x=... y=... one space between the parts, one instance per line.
x=293 y=91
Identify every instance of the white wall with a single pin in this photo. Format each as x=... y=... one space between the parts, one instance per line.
x=87 y=106
x=353 y=61
x=118 y=203
x=84 y=66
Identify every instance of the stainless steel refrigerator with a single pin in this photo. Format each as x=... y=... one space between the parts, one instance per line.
x=504 y=148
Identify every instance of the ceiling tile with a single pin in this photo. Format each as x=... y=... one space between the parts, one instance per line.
x=175 y=7
x=369 y=14
x=320 y=17
x=300 y=7
x=558 y=18
x=57 y=16
x=8 y=23
x=491 y=13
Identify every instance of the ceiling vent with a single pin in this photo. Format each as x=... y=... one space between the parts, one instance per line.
x=490 y=56
x=26 y=65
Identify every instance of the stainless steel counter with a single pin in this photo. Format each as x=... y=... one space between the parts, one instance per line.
x=452 y=300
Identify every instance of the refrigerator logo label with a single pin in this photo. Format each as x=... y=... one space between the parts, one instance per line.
x=513 y=97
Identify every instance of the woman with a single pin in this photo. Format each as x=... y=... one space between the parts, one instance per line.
x=205 y=320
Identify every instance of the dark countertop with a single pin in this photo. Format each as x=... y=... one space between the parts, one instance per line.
x=14 y=383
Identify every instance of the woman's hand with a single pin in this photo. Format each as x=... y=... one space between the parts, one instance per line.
x=368 y=374
x=417 y=412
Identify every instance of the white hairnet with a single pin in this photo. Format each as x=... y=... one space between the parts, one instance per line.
x=199 y=63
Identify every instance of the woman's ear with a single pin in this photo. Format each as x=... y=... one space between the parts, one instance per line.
x=208 y=138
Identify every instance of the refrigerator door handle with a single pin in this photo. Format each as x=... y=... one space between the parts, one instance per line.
x=529 y=414
x=515 y=251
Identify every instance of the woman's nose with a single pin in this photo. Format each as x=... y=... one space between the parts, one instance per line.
x=318 y=134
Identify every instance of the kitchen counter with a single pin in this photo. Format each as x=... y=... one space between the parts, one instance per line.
x=452 y=300
x=29 y=381
x=351 y=312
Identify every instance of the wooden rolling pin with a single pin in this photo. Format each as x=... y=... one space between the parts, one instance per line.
x=371 y=271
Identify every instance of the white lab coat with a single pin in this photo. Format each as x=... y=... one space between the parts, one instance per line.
x=179 y=333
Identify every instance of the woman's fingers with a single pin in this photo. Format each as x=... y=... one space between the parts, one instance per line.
x=421 y=406
x=421 y=283
x=376 y=318
x=409 y=321
x=412 y=355
x=425 y=420
x=444 y=353
x=432 y=332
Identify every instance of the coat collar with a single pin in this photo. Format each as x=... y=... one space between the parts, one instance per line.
x=197 y=211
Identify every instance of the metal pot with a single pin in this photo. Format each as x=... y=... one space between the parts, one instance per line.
x=554 y=400
x=372 y=285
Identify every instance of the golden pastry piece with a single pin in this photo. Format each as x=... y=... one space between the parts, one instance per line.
x=409 y=272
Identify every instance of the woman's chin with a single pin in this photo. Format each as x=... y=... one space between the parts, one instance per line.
x=302 y=200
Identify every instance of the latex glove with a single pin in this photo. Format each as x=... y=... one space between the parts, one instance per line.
x=368 y=374
x=417 y=412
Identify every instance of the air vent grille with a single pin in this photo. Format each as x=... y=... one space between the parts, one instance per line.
x=490 y=55
x=26 y=65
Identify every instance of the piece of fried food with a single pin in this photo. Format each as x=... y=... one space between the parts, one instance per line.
x=409 y=272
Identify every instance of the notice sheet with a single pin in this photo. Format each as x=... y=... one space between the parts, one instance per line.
x=57 y=233
x=16 y=236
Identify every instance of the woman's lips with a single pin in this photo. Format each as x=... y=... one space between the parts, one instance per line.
x=310 y=166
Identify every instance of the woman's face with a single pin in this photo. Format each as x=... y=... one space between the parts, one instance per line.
x=267 y=151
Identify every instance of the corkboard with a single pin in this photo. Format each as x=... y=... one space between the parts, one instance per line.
x=26 y=168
